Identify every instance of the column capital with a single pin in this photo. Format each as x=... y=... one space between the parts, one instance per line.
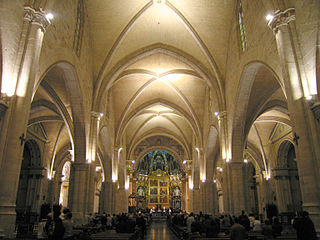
x=236 y=164
x=281 y=18
x=315 y=108
x=37 y=17
x=3 y=107
x=96 y=115
x=222 y=114
x=80 y=166
x=280 y=172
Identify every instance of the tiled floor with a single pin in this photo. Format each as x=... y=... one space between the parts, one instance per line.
x=158 y=231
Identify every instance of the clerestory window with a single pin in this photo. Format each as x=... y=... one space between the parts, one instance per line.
x=242 y=28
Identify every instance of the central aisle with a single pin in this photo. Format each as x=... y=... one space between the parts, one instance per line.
x=159 y=230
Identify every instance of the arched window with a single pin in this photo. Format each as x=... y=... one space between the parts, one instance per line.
x=242 y=28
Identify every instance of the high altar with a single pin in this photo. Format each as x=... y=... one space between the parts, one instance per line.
x=159 y=182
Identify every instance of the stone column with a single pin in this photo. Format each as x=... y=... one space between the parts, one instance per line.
x=194 y=193
x=108 y=196
x=92 y=149
x=91 y=178
x=121 y=193
x=17 y=116
x=260 y=192
x=237 y=187
x=78 y=191
x=307 y=147
x=208 y=197
x=282 y=189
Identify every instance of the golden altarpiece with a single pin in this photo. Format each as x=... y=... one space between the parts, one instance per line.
x=159 y=180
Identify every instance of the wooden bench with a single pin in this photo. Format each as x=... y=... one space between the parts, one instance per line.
x=111 y=235
x=180 y=232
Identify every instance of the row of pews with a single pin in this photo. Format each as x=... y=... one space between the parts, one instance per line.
x=182 y=234
x=98 y=233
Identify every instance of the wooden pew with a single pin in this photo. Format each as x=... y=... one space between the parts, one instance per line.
x=111 y=234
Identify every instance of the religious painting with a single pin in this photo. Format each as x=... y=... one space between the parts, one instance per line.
x=153 y=199
x=163 y=183
x=163 y=199
x=163 y=191
x=153 y=190
x=154 y=183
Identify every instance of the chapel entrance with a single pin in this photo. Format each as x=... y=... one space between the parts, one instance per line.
x=159 y=183
x=28 y=194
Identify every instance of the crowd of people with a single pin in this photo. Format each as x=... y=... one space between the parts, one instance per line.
x=239 y=227
x=58 y=225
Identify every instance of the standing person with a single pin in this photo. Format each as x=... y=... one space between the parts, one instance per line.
x=190 y=220
x=267 y=231
x=210 y=226
x=109 y=221
x=68 y=226
x=103 y=221
x=141 y=223
x=304 y=227
x=237 y=231
x=276 y=228
x=54 y=227
x=257 y=225
x=41 y=230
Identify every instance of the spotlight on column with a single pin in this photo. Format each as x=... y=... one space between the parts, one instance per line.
x=228 y=160
x=269 y=17
x=49 y=16
x=214 y=181
x=245 y=160
x=216 y=114
x=184 y=162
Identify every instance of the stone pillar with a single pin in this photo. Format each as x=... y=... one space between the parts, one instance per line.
x=260 y=192
x=79 y=191
x=121 y=193
x=17 y=116
x=91 y=178
x=92 y=150
x=208 y=197
x=194 y=185
x=282 y=189
x=237 y=193
x=108 y=196
x=307 y=146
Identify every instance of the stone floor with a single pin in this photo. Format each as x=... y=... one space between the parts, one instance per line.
x=159 y=230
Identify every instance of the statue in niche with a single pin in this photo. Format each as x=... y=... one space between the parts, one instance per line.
x=176 y=192
x=140 y=191
x=158 y=162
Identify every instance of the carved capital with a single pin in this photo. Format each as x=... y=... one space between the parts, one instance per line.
x=96 y=115
x=3 y=105
x=223 y=114
x=281 y=18
x=37 y=17
x=315 y=108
